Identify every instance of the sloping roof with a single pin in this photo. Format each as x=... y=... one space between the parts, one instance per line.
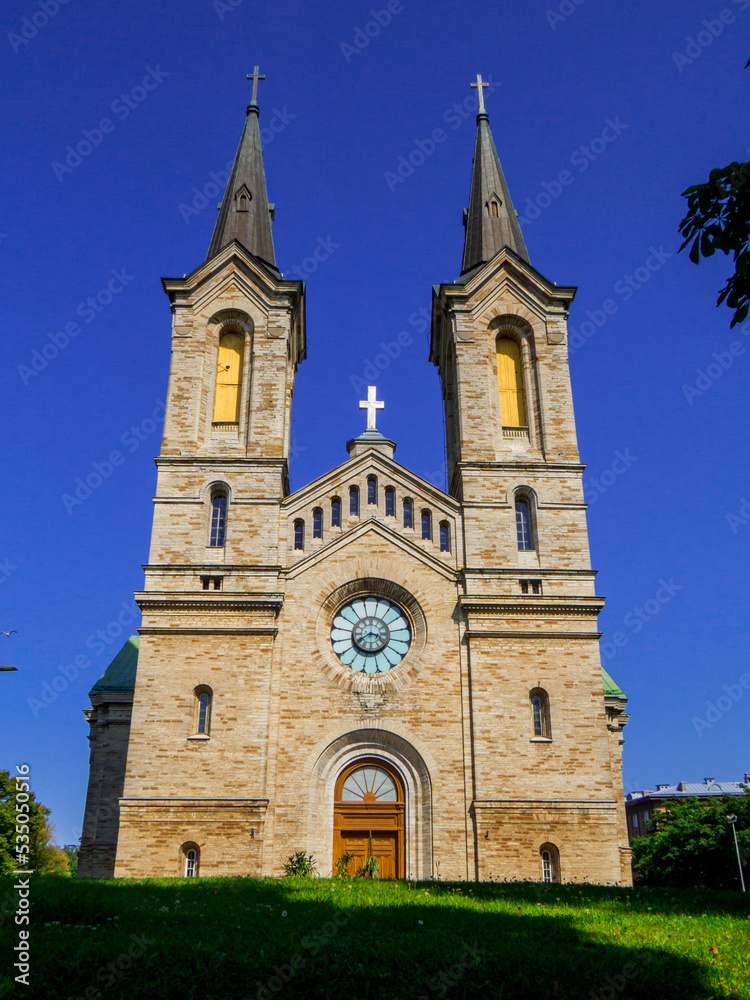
x=486 y=234
x=611 y=689
x=688 y=789
x=250 y=226
x=120 y=674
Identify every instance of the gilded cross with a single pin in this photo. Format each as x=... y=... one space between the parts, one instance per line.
x=257 y=75
x=478 y=86
x=371 y=405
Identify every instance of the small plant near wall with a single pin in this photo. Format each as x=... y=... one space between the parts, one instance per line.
x=340 y=867
x=369 y=869
x=300 y=864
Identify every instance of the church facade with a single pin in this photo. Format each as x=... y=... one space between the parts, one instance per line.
x=368 y=667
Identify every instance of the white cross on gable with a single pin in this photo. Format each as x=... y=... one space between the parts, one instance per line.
x=371 y=405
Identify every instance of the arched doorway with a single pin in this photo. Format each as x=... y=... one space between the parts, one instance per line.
x=368 y=817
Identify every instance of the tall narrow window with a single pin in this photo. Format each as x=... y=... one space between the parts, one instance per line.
x=372 y=489
x=202 y=721
x=540 y=720
x=336 y=512
x=426 y=524
x=191 y=857
x=228 y=379
x=408 y=514
x=523 y=526
x=317 y=523
x=299 y=534
x=510 y=384
x=445 y=537
x=390 y=501
x=546 y=866
x=354 y=501
x=550 y=858
x=218 y=519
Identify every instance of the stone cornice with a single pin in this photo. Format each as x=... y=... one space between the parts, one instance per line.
x=214 y=601
x=505 y=604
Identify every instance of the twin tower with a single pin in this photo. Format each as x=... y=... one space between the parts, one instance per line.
x=368 y=667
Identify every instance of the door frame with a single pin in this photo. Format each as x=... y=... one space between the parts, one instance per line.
x=378 y=817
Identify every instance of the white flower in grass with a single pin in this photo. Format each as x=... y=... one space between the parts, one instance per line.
x=283 y=913
x=421 y=923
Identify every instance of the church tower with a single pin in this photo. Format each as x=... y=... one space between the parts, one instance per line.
x=369 y=666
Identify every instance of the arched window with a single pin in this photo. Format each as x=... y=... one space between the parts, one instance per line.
x=390 y=501
x=445 y=536
x=336 y=512
x=202 y=721
x=317 y=523
x=354 y=501
x=408 y=513
x=218 y=519
x=372 y=489
x=426 y=524
x=540 y=720
x=523 y=525
x=299 y=534
x=550 y=858
x=510 y=383
x=190 y=858
x=228 y=379
x=495 y=209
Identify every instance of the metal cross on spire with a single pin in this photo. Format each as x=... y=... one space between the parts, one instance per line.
x=479 y=87
x=255 y=76
x=371 y=405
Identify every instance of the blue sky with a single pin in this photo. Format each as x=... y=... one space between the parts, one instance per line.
x=635 y=101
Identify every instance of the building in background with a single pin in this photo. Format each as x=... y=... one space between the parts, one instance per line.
x=640 y=806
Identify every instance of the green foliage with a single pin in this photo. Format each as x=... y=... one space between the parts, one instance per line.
x=71 y=853
x=718 y=218
x=369 y=869
x=43 y=855
x=691 y=844
x=301 y=864
x=378 y=940
x=340 y=866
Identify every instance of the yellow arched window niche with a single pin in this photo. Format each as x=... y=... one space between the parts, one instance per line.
x=229 y=379
x=510 y=383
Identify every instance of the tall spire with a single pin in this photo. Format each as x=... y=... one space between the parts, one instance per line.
x=244 y=214
x=491 y=222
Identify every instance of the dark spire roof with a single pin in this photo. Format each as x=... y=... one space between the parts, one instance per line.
x=486 y=232
x=244 y=214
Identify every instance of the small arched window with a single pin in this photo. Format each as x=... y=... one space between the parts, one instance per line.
x=228 y=379
x=354 y=501
x=317 y=523
x=218 y=519
x=408 y=513
x=510 y=383
x=445 y=537
x=523 y=525
x=372 y=489
x=390 y=501
x=540 y=719
x=336 y=512
x=426 y=524
x=202 y=721
x=190 y=857
x=550 y=858
x=299 y=534
x=495 y=209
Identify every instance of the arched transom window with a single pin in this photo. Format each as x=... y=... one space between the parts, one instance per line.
x=369 y=784
x=510 y=383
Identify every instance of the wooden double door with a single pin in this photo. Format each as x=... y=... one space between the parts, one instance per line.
x=368 y=819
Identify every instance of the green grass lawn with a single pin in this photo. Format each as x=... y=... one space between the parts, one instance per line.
x=229 y=939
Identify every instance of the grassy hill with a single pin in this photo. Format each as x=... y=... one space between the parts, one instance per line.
x=229 y=939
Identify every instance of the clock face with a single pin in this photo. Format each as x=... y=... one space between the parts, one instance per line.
x=371 y=634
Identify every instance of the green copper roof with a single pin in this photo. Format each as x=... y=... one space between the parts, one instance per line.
x=611 y=690
x=120 y=674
